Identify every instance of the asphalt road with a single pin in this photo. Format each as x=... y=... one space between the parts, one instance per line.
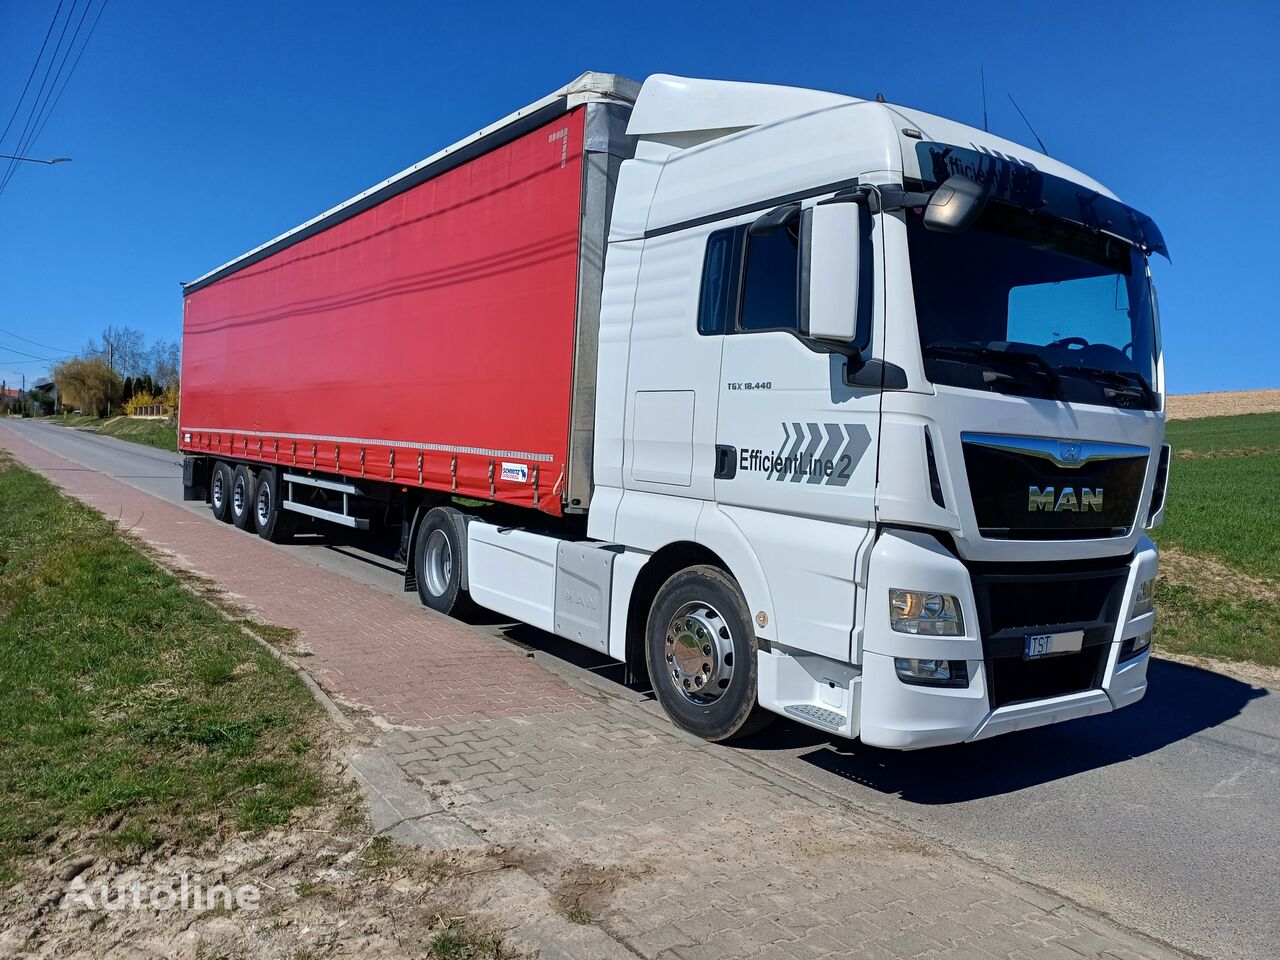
x=1165 y=816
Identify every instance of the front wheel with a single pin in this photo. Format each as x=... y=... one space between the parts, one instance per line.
x=701 y=650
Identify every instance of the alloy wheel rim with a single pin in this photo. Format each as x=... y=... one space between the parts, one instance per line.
x=698 y=649
x=264 y=505
x=438 y=563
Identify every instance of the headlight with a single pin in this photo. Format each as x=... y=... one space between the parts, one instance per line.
x=1144 y=601
x=933 y=673
x=925 y=614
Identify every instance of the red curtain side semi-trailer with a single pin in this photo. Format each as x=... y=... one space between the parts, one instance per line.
x=427 y=340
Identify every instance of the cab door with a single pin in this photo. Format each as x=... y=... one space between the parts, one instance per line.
x=796 y=445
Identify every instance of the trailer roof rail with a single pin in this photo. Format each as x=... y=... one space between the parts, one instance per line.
x=589 y=87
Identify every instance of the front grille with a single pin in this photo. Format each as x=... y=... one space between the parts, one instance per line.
x=1016 y=601
x=1001 y=482
x=1015 y=680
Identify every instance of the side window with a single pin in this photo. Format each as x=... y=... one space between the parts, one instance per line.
x=771 y=281
x=719 y=282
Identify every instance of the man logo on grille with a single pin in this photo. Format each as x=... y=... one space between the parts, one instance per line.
x=1090 y=498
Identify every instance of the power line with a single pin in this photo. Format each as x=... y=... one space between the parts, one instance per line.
x=37 y=104
x=49 y=100
x=42 y=110
x=35 y=343
x=71 y=72
x=27 y=86
x=23 y=353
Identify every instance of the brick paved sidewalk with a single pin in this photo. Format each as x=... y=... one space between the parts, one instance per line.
x=410 y=665
x=676 y=850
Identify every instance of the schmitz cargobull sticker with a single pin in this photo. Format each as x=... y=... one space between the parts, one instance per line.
x=825 y=453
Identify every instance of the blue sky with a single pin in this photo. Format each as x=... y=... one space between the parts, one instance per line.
x=200 y=129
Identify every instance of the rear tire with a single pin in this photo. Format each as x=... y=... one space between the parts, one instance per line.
x=700 y=645
x=438 y=558
x=241 y=505
x=220 y=492
x=272 y=522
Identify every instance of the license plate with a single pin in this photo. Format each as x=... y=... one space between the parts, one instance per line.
x=1047 y=644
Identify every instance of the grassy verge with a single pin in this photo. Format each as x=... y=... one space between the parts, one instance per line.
x=162 y=434
x=131 y=709
x=1219 y=590
x=154 y=433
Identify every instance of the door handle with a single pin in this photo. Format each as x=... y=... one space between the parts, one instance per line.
x=726 y=461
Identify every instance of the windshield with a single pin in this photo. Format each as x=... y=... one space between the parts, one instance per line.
x=1033 y=305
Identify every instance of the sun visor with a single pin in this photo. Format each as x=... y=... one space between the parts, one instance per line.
x=1021 y=184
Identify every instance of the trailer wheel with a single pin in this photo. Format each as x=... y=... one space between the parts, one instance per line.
x=701 y=649
x=242 y=498
x=438 y=558
x=220 y=492
x=271 y=521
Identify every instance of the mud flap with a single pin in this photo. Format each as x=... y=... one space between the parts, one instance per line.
x=195 y=478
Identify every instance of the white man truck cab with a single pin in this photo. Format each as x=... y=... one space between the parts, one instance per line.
x=884 y=393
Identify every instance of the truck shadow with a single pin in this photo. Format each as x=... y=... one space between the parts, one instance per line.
x=1181 y=702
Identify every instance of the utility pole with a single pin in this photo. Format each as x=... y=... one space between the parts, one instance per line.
x=112 y=367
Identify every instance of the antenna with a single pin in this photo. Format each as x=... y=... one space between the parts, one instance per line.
x=1043 y=148
x=983 y=73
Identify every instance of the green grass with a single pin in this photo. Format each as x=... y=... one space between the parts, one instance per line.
x=162 y=434
x=459 y=943
x=1246 y=432
x=129 y=707
x=1221 y=509
x=1226 y=506
x=154 y=433
x=1226 y=627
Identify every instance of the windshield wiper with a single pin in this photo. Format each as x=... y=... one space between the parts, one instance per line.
x=1132 y=385
x=1027 y=361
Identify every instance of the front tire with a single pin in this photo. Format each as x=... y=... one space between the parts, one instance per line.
x=220 y=492
x=438 y=558
x=700 y=646
x=241 y=505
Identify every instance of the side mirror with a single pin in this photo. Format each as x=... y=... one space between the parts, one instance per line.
x=955 y=205
x=834 y=259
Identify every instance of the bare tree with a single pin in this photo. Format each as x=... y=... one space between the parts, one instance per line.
x=165 y=363
x=125 y=350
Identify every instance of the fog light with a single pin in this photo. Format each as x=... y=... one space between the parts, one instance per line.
x=1144 y=601
x=1135 y=646
x=925 y=614
x=932 y=673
